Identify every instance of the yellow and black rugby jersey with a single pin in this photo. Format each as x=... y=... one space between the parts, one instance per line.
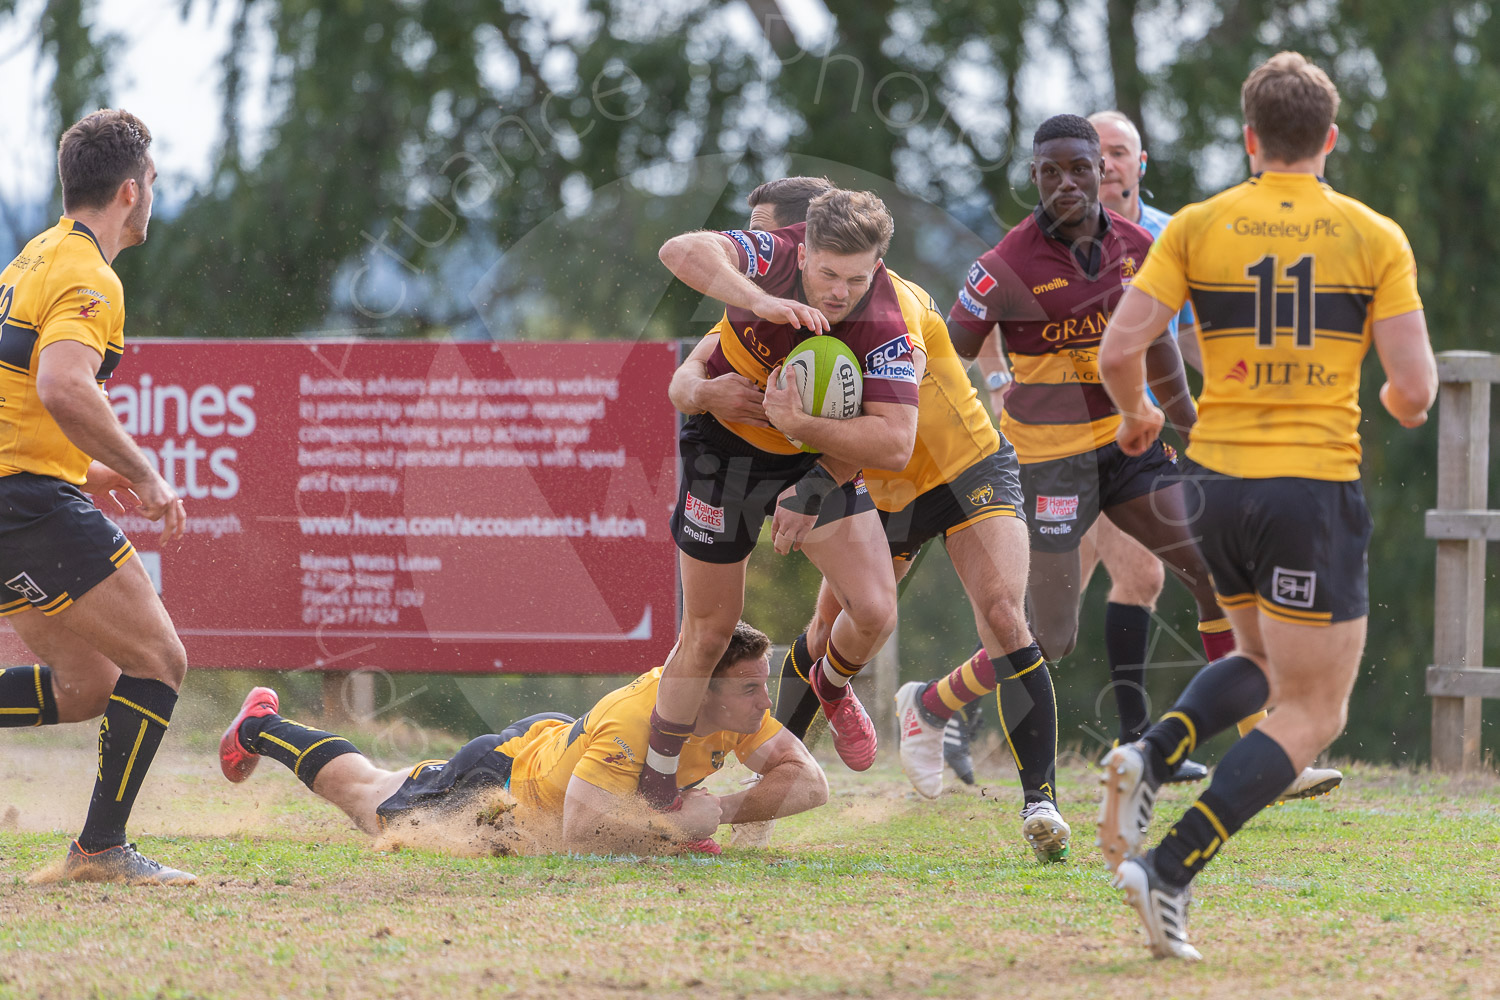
x=954 y=429
x=606 y=747
x=59 y=288
x=1286 y=277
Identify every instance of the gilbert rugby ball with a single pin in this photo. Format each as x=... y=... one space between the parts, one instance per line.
x=827 y=377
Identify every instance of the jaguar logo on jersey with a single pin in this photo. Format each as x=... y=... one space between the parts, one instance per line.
x=982 y=496
x=704 y=515
x=981 y=280
x=1057 y=508
x=1294 y=587
x=622 y=755
x=1239 y=372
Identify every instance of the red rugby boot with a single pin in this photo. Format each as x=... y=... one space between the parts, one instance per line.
x=853 y=732
x=234 y=760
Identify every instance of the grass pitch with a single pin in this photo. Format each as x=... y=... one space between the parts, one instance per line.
x=1389 y=888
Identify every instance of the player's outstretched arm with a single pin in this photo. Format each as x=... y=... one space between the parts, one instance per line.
x=596 y=821
x=1410 y=369
x=791 y=782
x=729 y=397
x=708 y=262
x=1137 y=321
x=66 y=387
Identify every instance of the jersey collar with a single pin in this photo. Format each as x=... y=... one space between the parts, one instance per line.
x=84 y=231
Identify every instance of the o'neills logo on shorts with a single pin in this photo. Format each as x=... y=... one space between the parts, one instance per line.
x=703 y=515
x=1057 y=508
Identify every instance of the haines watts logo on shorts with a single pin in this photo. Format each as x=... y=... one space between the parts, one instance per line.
x=1057 y=508
x=703 y=515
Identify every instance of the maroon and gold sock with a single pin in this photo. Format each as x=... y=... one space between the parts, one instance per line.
x=832 y=674
x=658 y=783
x=1217 y=636
x=970 y=681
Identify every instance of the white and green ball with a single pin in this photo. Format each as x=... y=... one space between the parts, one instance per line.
x=827 y=377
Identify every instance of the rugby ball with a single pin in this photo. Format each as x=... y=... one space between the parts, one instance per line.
x=827 y=377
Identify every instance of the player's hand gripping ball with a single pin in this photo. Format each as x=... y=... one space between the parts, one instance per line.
x=827 y=377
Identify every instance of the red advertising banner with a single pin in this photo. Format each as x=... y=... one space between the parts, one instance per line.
x=476 y=507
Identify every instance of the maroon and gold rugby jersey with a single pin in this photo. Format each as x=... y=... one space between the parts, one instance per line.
x=875 y=330
x=1052 y=303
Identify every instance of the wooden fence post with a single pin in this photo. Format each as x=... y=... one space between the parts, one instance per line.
x=1458 y=613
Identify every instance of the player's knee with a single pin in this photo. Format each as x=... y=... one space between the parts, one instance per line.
x=1008 y=622
x=874 y=614
x=1141 y=587
x=1055 y=635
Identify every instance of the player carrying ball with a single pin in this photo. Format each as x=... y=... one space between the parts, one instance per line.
x=780 y=288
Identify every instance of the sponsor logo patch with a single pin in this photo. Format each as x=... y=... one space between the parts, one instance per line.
x=972 y=304
x=704 y=515
x=1238 y=372
x=888 y=352
x=1050 y=286
x=752 y=259
x=903 y=371
x=23 y=584
x=1055 y=529
x=1057 y=508
x=981 y=280
x=1294 y=587
x=765 y=251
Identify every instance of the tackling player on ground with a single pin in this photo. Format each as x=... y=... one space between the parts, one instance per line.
x=780 y=288
x=1291 y=283
x=573 y=781
x=77 y=597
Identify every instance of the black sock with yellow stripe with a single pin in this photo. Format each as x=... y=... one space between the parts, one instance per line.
x=303 y=749
x=1221 y=694
x=26 y=697
x=134 y=722
x=796 y=705
x=1028 y=718
x=1252 y=775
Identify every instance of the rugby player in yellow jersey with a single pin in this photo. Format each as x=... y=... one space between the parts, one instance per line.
x=961 y=484
x=1291 y=282
x=75 y=595
x=573 y=780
